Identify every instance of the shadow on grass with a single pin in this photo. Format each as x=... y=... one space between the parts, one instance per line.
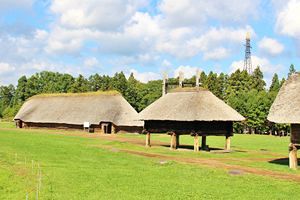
x=282 y=161
x=191 y=147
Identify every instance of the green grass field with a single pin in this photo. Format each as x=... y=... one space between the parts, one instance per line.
x=74 y=166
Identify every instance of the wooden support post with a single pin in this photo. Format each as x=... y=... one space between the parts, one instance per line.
x=173 y=144
x=203 y=143
x=227 y=143
x=293 y=156
x=148 y=144
x=177 y=140
x=196 y=143
x=113 y=129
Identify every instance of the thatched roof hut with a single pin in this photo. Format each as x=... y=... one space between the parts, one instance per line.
x=194 y=111
x=190 y=105
x=286 y=109
x=75 y=109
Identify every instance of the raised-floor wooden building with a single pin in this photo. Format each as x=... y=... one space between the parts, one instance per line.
x=101 y=112
x=190 y=111
x=286 y=110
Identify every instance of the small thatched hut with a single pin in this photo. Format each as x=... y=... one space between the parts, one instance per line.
x=103 y=112
x=194 y=111
x=286 y=109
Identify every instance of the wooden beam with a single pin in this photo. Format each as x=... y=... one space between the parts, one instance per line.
x=196 y=143
x=203 y=143
x=227 y=143
x=148 y=143
x=293 y=161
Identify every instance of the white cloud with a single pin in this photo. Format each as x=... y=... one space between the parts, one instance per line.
x=288 y=22
x=144 y=77
x=91 y=62
x=216 y=54
x=6 y=68
x=194 y=12
x=213 y=44
x=100 y=14
x=166 y=63
x=188 y=71
x=271 y=46
x=67 y=41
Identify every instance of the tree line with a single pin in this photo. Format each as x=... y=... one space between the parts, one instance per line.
x=247 y=93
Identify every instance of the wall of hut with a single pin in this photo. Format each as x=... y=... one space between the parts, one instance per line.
x=218 y=128
x=129 y=129
x=295 y=136
x=93 y=128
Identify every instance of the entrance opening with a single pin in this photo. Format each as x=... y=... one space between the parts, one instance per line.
x=106 y=127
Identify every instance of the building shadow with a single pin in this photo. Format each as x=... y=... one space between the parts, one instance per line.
x=282 y=161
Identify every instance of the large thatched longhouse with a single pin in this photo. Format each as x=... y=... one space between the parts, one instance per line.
x=286 y=109
x=194 y=111
x=101 y=112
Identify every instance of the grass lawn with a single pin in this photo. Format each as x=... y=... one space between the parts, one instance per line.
x=76 y=167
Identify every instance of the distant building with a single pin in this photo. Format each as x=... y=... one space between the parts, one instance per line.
x=286 y=109
x=101 y=112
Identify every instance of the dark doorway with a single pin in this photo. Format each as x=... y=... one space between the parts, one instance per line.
x=106 y=127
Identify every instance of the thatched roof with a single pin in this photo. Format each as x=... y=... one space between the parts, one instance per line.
x=286 y=107
x=79 y=108
x=190 y=105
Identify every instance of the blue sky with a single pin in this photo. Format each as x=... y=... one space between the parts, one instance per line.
x=147 y=38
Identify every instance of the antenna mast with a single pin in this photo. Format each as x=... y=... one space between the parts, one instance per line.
x=247 y=61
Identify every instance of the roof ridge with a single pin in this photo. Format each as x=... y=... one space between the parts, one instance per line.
x=98 y=93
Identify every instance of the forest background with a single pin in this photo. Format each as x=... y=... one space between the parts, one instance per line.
x=247 y=93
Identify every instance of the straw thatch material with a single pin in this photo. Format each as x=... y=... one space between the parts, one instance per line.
x=190 y=105
x=79 y=108
x=286 y=107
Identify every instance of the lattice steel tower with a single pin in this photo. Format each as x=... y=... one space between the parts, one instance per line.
x=247 y=61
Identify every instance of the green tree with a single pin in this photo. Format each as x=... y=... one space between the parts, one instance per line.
x=132 y=94
x=292 y=70
x=21 y=91
x=257 y=80
x=275 y=85
x=119 y=82
x=80 y=85
x=203 y=78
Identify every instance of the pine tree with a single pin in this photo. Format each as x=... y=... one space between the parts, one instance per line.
x=275 y=85
x=257 y=81
x=213 y=84
x=203 y=78
x=80 y=85
x=292 y=70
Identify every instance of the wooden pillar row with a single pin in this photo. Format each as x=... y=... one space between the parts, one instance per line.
x=293 y=161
